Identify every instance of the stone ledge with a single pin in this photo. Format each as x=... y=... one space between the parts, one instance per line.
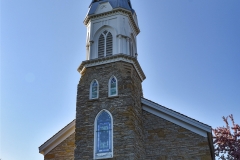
x=112 y=97
x=114 y=58
x=91 y=100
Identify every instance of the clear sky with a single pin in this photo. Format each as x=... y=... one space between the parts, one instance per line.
x=188 y=49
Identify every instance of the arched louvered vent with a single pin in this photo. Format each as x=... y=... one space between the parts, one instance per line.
x=105 y=32
x=101 y=46
x=109 y=46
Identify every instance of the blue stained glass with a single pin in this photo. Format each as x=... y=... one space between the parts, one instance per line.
x=94 y=89
x=104 y=133
x=113 y=80
x=113 y=86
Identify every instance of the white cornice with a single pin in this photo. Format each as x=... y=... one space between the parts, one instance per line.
x=57 y=138
x=176 y=118
x=114 y=11
x=111 y=59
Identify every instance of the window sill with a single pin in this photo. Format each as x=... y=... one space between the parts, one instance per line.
x=91 y=100
x=113 y=97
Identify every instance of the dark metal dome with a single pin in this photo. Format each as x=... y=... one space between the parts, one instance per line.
x=125 y=4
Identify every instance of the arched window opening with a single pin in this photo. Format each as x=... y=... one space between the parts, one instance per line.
x=94 y=89
x=105 y=32
x=105 y=44
x=101 y=46
x=103 y=147
x=113 y=87
x=109 y=46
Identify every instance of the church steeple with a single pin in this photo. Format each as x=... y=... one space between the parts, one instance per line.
x=108 y=118
x=112 y=28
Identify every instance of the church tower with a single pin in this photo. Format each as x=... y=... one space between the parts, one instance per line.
x=108 y=111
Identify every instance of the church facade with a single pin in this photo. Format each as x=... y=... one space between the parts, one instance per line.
x=113 y=119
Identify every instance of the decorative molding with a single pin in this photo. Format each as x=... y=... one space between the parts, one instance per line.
x=111 y=59
x=176 y=118
x=57 y=138
x=114 y=11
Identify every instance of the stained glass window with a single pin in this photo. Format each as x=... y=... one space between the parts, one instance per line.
x=94 y=90
x=104 y=133
x=113 y=86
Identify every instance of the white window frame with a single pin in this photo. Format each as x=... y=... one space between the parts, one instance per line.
x=105 y=43
x=102 y=155
x=109 y=87
x=90 y=92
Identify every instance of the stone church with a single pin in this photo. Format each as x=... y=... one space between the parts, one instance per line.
x=113 y=119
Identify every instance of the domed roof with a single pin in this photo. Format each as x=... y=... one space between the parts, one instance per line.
x=125 y=4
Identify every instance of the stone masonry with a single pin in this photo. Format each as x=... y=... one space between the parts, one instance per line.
x=167 y=141
x=125 y=108
x=64 y=151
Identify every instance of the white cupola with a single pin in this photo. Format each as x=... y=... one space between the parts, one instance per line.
x=112 y=28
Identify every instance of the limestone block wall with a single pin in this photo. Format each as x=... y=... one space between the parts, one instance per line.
x=167 y=141
x=64 y=151
x=125 y=108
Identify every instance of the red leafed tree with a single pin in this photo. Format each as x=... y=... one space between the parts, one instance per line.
x=227 y=140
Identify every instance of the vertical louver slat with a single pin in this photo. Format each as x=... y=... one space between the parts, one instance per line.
x=101 y=46
x=109 y=45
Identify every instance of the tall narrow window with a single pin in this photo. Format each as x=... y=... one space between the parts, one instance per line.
x=105 y=44
x=101 y=46
x=113 y=86
x=94 y=89
x=103 y=136
x=109 y=44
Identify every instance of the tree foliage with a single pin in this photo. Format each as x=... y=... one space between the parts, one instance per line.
x=227 y=140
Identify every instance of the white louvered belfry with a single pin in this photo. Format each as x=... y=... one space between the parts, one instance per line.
x=109 y=32
x=105 y=44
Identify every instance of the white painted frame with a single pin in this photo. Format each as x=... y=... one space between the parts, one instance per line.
x=103 y=155
x=109 y=87
x=105 y=43
x=90 y=92
x=94 y=51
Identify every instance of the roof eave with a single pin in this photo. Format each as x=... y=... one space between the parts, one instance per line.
x=119 y=9
x=57 y=138
x=184 y=121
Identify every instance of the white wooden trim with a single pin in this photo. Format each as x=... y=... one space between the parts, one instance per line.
x=111 y=60
x=109 y=87
x=57 y=139
x=176 y=118
x=90 y=91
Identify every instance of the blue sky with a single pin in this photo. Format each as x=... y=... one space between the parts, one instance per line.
x=188 y=49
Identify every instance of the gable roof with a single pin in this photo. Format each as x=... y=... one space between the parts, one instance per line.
x=56 y=139
x=181 y=120
x=176 y=117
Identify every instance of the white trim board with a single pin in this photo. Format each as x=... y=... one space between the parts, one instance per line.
x=176 y=118
x=57 y=138
x=115 y=58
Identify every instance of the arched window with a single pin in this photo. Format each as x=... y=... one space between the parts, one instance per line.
x=103 y=135
x=109 y=44
x=94 y=89
x=105 y=44
x=113 y=86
